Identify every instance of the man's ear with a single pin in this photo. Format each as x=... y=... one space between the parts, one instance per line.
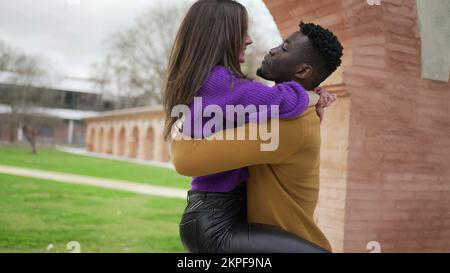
x=303 y=71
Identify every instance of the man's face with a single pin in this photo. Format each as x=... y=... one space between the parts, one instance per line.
x=280 y=65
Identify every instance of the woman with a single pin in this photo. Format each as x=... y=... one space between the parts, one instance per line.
x=205 y=62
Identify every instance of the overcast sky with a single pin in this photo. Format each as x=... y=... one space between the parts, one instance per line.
x=71 y=33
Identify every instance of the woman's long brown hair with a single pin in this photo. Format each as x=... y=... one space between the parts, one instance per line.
x=212 y=33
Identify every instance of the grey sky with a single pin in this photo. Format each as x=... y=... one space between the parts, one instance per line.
x=71 y=33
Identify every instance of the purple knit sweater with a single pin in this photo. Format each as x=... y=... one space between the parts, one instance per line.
x=291 y=98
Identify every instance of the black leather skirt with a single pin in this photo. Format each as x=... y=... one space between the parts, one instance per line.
x=217 y=223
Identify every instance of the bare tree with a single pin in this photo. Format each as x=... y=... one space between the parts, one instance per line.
x=26 y=75
x=5 y=55
x=135 y=65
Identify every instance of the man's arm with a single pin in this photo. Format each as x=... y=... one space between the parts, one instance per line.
x=194 y=157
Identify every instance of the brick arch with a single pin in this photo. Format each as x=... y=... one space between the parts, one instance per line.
x=373 y=138
x=334 y=15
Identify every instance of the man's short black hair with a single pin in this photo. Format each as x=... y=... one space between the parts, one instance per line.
x=327 y=47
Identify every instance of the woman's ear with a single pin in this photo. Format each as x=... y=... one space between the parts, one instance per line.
x=303 y=71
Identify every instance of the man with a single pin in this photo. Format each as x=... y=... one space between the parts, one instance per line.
x=283 y=186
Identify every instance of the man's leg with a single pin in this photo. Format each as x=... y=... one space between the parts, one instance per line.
x=258 y=238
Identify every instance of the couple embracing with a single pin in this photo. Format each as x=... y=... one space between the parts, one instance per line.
x=244 y=198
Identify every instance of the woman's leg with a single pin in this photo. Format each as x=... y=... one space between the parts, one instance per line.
x=217 y=222
x=202 y=232
x=259 y=238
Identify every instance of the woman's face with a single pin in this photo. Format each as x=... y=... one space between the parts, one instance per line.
x=247 y=41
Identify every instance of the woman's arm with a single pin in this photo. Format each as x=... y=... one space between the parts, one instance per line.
x=224 y=89
x=291 y=98
x=198 y=157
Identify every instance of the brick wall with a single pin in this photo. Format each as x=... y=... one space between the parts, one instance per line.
x=330 y=211
x=389 y=181
x=402 y=161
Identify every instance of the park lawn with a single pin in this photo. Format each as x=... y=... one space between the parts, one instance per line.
x=58 y=161
x=35 y=213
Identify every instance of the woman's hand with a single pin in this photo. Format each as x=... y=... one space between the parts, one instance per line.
x=326 y=99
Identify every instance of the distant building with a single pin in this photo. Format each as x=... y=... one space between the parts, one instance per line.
x=72 y=100
x=133 y=133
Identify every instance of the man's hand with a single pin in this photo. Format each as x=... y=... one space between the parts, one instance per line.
x=326 y=99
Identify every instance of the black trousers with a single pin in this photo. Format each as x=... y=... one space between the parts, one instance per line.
x=217 y=222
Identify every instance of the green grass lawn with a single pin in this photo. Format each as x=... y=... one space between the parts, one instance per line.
x=36 y=213
x=54 y=160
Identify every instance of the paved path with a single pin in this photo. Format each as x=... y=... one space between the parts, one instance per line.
x=94 y=181
x=82 y=151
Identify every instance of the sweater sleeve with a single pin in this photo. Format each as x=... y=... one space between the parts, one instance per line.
x=290 y=97
x=198 y=157
x=223 y=90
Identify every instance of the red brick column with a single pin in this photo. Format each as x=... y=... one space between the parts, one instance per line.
x=392 y=129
